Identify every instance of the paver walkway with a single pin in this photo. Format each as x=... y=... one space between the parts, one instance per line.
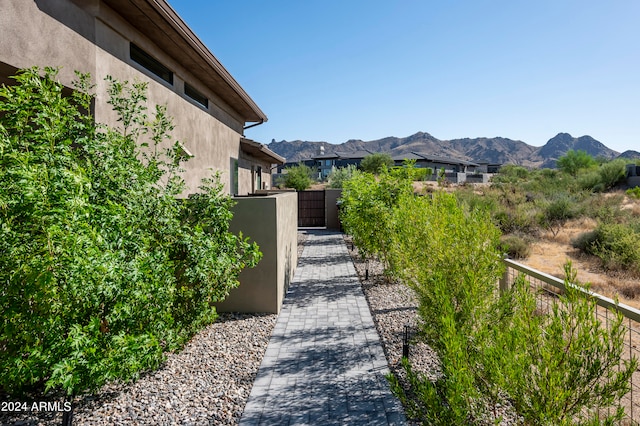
x=324 y=364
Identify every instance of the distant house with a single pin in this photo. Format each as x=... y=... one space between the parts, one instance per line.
x=486 y=167
x=435 y=163
x=145 y=40
x=322 y=164
x=633 y=175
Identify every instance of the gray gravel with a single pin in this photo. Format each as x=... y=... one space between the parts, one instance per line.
x=208 y=382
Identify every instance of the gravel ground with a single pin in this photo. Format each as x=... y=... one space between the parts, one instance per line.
x=208 y=382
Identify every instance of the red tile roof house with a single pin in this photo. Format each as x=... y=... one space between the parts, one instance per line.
x=145 y=40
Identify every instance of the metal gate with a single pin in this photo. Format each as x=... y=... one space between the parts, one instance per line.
x=311 y=209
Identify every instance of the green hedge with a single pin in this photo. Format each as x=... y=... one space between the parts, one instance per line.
x=553 y=368
x=102 y=268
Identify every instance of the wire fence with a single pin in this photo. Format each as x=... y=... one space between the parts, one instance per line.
x=548 y=288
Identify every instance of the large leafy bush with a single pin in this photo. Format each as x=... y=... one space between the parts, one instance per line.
x=102 y=267
x=299 y=177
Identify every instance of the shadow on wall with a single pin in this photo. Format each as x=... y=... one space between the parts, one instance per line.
x=71 y=16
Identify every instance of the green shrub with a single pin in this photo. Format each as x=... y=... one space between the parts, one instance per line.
x=448 y=255
x=523 y=218
x=556 y=212
x=574 y=161
x=515 y=247
x=339 y=175
x=612 y=173
x=604 y=208
x=408 y=170
x=615 y=244
x=299 y=177
x=634 y=192
x=591 y=181
x=376 y=163
x=367 y=212
x=103 y=268
x=486 y=341
x=510 y=173
x=564 y=367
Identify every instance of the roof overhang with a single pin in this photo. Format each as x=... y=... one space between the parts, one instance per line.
x=446 y=160
x=260 y=151
x=160 y=23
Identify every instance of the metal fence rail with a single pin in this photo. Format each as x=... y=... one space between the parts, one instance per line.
x=549 y=287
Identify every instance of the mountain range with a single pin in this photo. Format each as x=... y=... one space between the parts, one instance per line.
x=486 y=150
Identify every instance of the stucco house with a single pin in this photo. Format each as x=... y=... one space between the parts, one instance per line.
x=145 y=40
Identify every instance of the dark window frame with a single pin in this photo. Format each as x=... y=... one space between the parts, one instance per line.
x=195 y=95
x=151 y=64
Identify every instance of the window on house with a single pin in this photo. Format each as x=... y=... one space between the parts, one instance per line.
x=234 y=176
x=259 y=177
x=150 y=63
x=195 y=95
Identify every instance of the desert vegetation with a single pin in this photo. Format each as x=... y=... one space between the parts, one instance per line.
x=103 y=267
x=495 y=348
x=532 y=206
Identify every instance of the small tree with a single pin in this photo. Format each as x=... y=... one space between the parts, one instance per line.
x=299 y=177
x=376 y=163
x=574 y=161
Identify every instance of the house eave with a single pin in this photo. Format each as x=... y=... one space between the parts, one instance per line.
x=157 y=20
x=260 y=151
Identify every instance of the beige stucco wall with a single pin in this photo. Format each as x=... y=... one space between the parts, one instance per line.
x=31 y=36
x=91 y=37
x=271 y=221
x=212 y=142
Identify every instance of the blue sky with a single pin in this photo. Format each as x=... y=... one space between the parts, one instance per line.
x=335 y=70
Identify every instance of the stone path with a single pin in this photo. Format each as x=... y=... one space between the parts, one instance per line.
x=324 y=364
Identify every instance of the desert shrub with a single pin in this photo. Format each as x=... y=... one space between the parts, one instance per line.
x=557 y=211
x=615 y=244
x=486 y=201
x=574 y=161
x=584 y=240
x=604 y=208
x=339 y=175
x=591 y=181
x=448 y=255
x=510 y=173
x=422 y=173
x=408 y=170
x=634 y=192
x=367 y=212
x=515 y=246
x=547 y=182
x=487 y=342
x=612 y=173
x=522 y=218
x=298 y=177
x=568 y=365
x=376 y=163
x=103 y=268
